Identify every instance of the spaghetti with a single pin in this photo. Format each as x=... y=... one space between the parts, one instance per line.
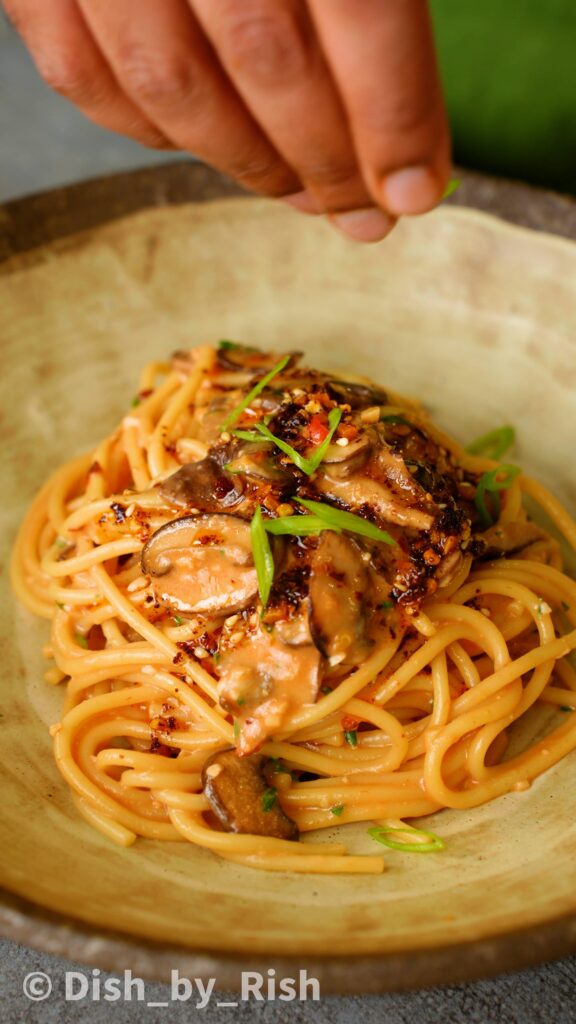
x=283 y=601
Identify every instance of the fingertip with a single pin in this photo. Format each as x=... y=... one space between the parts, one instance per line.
x=369 y=225
x=411 y=190
x=303 y=201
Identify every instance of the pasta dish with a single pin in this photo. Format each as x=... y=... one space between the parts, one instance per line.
x=282 y=600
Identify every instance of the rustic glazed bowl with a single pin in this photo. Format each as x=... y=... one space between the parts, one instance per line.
x=472 y=314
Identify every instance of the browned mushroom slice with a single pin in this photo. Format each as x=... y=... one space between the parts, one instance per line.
x=256 y=459
x=202 y=485
x=357 y=396
x=264 y=677
x=510 y=538
x=339 y=581
x=203 y=564
x=234 y=356
x=361 y=492
x=237 y=791
x=342 y=461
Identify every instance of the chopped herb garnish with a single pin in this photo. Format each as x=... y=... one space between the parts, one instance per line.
x=386 y=605
x=346 y=520
x=61 y=542
x=451 y=187
x=326 y=689
x=351 y=737
x=495 y=480
x=241 y=702
x=225 y=344
x=136 y=401
x=269 y=798
x=396 y=420
x=381 y=834
x=277 y=766
x=565 y=606
x=263 y=559
x=337 y=810
x=60 y=605
x=310 y=465
x=494 y=444
x=177 y=620
x=81 y=640
x=298 y=526
x=246 y=435
x=564 y=708
x=239 y=409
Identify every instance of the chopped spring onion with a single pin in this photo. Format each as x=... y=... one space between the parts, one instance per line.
x=337 y=810
x=269 y=798
x=396 y=420
x=351 y=737
x=451 y=187
x=225 y=344
x=81 y=640
x=310 y=465
x=342 y=520
x=494 y=444
x=495 y=480
x=263 y=559
x=239 y=409
x=298 y=526
x=381 y=834
x=177 y=620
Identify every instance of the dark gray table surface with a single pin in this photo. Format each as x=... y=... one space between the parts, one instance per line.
x=45 y=143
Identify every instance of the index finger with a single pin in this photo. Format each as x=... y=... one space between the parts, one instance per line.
x=382 y=56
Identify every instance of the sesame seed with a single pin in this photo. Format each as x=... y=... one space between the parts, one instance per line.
x=200 y=653
x=343 y=442
x=225 y=436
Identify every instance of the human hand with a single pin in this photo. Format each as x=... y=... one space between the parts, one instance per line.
x=333 y=105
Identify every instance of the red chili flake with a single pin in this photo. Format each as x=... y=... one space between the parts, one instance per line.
x=350 y=723
x=317 y=429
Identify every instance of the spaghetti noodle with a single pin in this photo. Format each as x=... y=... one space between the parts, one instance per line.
x=283 y=601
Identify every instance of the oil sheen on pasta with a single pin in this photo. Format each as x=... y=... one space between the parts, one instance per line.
x=278 y=605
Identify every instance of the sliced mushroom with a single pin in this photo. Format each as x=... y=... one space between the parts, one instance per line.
x=204 y=564
x=362 y=492
x=256 y=459
x=264 y=677
x=357 y=396
x=236 y=789
x=202 y=485
x=339 y=581
x=341 y=461
x=510 y=538
x=233 y=356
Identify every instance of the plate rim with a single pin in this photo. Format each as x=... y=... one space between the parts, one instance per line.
x=56 y=217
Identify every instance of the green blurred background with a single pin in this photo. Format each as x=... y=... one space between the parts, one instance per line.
x=509 y=69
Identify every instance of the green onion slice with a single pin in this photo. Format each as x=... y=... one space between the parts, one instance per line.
x=337 y=810
x=298 y=526
x=451 y=187
x=381 y=833
x=263 y=559
x=310 y=465
x=239 y=409
x=269 y=798
x=351 y=737
x=495 y=480
x=494 y=444
x=337 y=517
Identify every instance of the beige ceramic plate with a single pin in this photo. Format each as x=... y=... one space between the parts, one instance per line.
x=475 y=316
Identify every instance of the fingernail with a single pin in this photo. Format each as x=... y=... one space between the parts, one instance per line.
x=370 y=225
x=411 y=190
x=303 y=201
